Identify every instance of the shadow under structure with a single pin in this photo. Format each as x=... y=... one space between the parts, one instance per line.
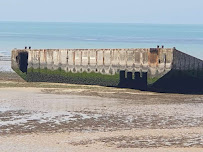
x=155 y=69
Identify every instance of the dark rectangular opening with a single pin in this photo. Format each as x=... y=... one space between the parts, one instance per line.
x=23 y=61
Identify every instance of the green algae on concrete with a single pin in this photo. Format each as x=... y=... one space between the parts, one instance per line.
x=61 y=76
x=21 y=74
x=151 y=81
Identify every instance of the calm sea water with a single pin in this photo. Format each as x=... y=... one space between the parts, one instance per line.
x=187 y=38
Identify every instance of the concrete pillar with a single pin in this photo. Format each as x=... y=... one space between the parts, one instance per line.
x=129 y=80
x=137 y=80
x=144 y=81
x=129 y=75
x=137 y=76
x=122 y=79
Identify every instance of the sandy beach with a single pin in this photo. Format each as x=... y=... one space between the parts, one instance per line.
x=66 y=117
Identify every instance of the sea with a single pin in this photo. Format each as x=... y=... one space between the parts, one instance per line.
x=186 y=38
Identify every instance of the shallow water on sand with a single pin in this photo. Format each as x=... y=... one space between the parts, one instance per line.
x=5 y=66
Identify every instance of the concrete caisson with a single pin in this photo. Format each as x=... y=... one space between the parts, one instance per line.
x=140 y=68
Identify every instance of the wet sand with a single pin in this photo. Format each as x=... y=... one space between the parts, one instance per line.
x=5 y=65
x=64 y=117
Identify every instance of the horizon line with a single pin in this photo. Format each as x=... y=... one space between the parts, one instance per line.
x=102 y=22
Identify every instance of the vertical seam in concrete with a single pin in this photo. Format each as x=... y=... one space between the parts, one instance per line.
x=96 y=58
x=126 y=59
x=103 y=57
x=88 y=54
x=74 y=58
x=80 y=57
x=67 y=57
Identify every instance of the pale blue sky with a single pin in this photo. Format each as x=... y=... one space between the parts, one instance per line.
x=122 y=11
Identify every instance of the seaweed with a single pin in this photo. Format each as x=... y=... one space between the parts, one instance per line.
x=61 y=76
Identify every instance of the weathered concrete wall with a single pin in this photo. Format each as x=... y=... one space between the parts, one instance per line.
x=103 y=66
x=105 y=61
x=185 y=62
x=186 y=75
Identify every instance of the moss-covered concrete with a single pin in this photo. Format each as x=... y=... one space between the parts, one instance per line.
x=61 y=76
x=187 y=81
x=151 y=81
x=20 y=73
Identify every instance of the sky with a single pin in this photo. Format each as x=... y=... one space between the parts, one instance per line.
x=113 y=11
